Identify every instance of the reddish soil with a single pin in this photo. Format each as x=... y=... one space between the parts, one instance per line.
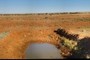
x=27 y=29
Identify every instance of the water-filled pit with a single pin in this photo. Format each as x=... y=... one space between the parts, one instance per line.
x=42 y=51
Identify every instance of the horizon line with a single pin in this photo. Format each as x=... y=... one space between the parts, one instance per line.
x=47 y=13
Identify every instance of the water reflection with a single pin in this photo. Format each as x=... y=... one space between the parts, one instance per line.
x=42 y=51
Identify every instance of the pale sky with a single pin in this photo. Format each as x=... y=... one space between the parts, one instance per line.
x=44 y=6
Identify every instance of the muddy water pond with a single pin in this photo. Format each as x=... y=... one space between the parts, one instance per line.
x=42 y=51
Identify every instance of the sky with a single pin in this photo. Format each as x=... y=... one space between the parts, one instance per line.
x=44 y=6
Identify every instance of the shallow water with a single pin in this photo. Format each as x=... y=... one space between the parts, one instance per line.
x=42 y=51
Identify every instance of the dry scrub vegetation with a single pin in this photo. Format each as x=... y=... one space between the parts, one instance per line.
x=19 y=30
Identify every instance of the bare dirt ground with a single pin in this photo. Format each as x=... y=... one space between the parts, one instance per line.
x=20 y=30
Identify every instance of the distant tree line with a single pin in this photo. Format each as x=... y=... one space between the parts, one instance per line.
x=45 y=13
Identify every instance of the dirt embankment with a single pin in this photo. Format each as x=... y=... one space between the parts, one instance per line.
x=74 y=47
x=15 y=43
x=25 y=29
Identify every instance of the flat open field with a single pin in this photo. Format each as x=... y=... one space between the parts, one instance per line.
x=18 y=31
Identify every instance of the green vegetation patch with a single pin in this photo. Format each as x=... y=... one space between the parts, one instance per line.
x=3 y=34
x=71 y=44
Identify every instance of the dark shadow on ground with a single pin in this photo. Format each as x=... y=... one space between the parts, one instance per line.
x=64 y=33
x=83 y=49
x=83 y=45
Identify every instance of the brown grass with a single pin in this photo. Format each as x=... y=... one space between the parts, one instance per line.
x=26 y=29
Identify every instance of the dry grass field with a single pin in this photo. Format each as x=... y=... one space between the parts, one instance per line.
x=17 y=31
